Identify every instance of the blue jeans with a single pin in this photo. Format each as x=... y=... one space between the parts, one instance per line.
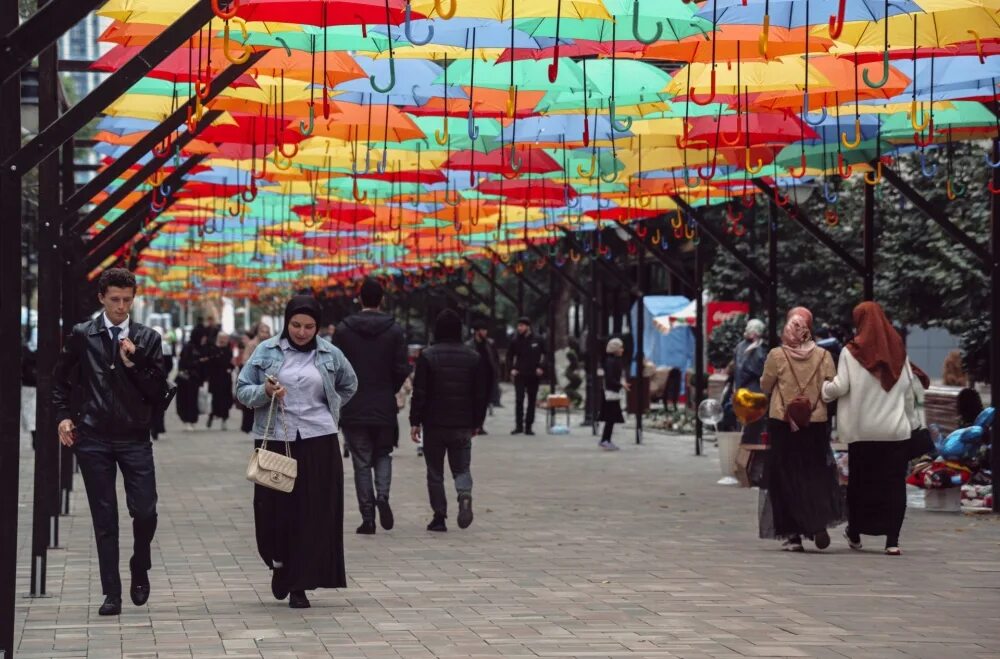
x=371 y=452
x=456 y=445
x=99 y=461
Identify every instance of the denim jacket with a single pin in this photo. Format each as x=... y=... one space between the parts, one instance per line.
x=339 y=380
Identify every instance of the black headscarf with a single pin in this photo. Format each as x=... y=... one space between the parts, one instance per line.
x=304 y=304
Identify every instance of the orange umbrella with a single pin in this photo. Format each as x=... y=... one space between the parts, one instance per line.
x=734 y=42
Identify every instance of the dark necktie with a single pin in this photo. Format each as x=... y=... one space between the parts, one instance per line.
x=115 y=333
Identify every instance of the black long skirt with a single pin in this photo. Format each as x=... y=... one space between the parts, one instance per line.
x=803 y=495
x=304 y=529
x=876 y=487
x=611 y=411
x=187 y=399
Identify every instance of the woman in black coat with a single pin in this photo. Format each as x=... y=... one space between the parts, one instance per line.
x=190 y=375
x=219 y=371
x=614 y=388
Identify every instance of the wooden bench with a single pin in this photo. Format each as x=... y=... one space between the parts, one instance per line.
x=941 y=407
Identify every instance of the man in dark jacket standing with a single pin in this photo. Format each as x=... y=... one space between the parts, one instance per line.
x=487 y=350
x=376 y=347
x=116 y=364
x=451 y=388
x=526 y=362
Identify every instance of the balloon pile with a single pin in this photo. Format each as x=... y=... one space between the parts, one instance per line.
x=960 y=462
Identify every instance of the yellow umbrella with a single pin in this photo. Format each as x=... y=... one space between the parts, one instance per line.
x=775 y=75
x=934 y=30
x=500 y=10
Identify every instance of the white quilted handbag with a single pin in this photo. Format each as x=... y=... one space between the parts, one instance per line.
x=270 y=469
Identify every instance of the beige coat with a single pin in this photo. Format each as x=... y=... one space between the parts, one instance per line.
x=811 y=374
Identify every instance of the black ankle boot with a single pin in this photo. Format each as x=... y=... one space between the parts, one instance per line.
x=298 y=600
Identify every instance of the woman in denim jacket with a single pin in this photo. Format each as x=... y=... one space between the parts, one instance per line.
x=300 y=534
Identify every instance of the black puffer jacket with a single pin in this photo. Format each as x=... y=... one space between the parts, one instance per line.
x=116 y=401
x=451 y=387
x=526 y=354
x=375 y=345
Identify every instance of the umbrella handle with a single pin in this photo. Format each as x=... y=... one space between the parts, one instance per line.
x=927 y=172
x=921 y=141
x=707 y=174
x=979 y=46
x=751 y=168
x=857 y=135
x=438 y=137
x=844 y=172
x=885 y=73
x=445 y=15
x=247 y=51
x=312 y=221
x=918 y=126
x=731 y=216
x=831 y=197
x=284 y=44
x=380 y=166
x=589 y=174
x=691 y=183
x=515 y=161
x=992 y=189
x=780 y=199
x=225 y=14
x=619 y=125
x=554 y=66
x=762 y=39
x=875 y=180
x=635 y=27
x=837 y=22
x=368 y=164
x=736 y=138
x=358 y=197
x=993 y=165
x=392 y=78
x=570 y=203
x=249 y=194
x=603 y=203
x=802 y=164
x=831 y=218
x=805 y=112
x=473 y=129
x=162 y=149
x=408 y=28
x=203 y=91
x=711 y=92
x=295 y=151
x=643 y=201
x=236 y=209
x=282 y=165
x=609 y=179
x=307 y=129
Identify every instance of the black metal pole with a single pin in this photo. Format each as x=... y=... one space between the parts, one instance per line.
x=67 y=459
x=596 y=314
x=642 y=391
x=493 y=293
x=699 y=346
x=869 y=242
x=551 y=360
x=11 y=276
x=995 y=322
x=772 y=274
x=45 y=504
x=21 y=44
x=520 y=296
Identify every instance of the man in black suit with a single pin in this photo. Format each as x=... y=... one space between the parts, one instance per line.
x=118 y=367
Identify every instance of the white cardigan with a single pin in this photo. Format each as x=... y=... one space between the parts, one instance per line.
x=866 y=411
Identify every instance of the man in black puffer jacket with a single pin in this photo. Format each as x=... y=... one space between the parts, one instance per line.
x=451 y=389
x=375 y=345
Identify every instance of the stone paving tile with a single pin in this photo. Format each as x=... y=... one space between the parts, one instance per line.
x=574 y=553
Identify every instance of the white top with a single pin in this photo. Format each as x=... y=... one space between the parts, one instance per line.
x=866 y=411
x=123 y=325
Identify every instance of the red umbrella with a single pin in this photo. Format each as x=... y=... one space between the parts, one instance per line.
x=532 y=161
x=343 y=212
x=181 y=65
x=536 y=192
x=775 y=128
x=324 y=13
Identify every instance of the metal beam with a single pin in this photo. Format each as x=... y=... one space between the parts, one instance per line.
x=707 y=228
x=658 y=254
x=140 y=245
x=523 y=280
x=994 y=350
x=125 y=227
x=795 y=213
x=772 y=273
x=615 y=272
x=868 y=238
x=43 y=28
x=53 y=135
x=11 y=276
x=500 y=289
x=562 y=275
x=153 y=166
x=938 y=217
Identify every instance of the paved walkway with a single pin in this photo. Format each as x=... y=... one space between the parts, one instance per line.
x=574 y=553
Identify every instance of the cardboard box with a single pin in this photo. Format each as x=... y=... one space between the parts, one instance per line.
x=750 y=464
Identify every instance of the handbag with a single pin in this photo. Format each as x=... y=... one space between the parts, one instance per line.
x=799 y=411
x=270 y=469
x=920 y=442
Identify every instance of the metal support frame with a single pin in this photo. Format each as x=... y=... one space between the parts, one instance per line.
x=500 y=289
x=11 y=276
x=137 y=179
x=553 y=380
x=761 y=280
x=27 y=40
x=939 y=218
x=674 y=268
x=614 y=271
x=995 y=320
x=141 y=245
x=642 y=390
x=593 y=388
x=868 y=238
x=772 y=273
x=53 y=135
x=562 y=275
x=119 y=232
x=699 y=348
x=796 y=213
x=45 y=508
x=527 y=282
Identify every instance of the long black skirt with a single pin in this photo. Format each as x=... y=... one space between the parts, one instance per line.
x=304 y=529
x=611 y=411
x=876 y=487
x=803 y=495
x=187 y=399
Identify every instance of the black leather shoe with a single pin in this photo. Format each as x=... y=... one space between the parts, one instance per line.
x=516 y=431
x=437 y=524
x=112 y=606
x=139 y=589
x=385 y=517
x=366 y=528
x=529 y=431
x=464 y=511
x=278 y=587
x=298 y=600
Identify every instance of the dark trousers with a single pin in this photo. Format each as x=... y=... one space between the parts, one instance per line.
x=609 y=427
x=99 y=461
x=525 y=385
x=371 y=453
x=456 y=444
x=246 y=424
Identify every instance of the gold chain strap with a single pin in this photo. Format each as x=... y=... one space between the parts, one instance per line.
x=284 y=426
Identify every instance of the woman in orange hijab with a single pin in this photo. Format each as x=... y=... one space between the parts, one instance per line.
x=878 y=389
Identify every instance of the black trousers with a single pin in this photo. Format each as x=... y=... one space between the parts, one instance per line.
x=371 y=453
x=99 y=461
x=525 y=385
x=456 y=445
